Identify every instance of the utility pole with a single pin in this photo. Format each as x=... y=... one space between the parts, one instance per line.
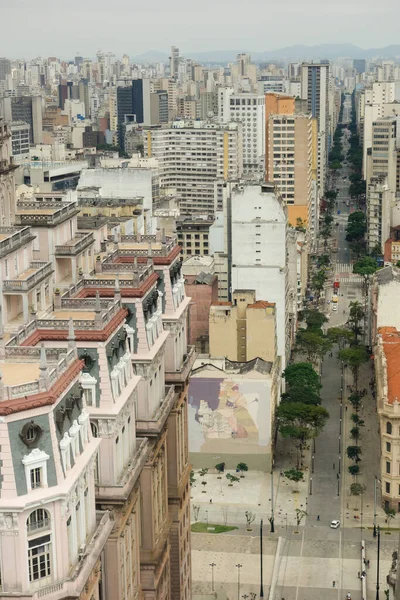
x=377 y=563
x=238 y=566
x=272 y=502
x=212 y=565
x=261 y=561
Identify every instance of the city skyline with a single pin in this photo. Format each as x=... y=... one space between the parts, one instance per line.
x=173 y=24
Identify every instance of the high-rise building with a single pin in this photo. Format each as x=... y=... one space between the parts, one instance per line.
x=249 y=109
x=124 y=109
x=359 y=64
x=379 y=202
x=20 y=138
x=29 y=110
x=174 y=62
x=193 y=157
x=315 y=86
x=5 y=68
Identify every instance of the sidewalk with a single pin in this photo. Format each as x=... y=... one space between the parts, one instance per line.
x=370 y=457
x=253 y=493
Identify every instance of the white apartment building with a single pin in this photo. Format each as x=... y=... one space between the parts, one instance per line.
x=249 y=109
x=20 y=139
x=192 y=156
x=379 y=203
x=258 y=251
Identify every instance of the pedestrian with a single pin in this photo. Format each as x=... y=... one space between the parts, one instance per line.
x=210 y=500
x=364 y=561
x=333 y=583
x=358 y=574
x=337 y=475
x=333 y=465
x=345 y=408
x=368 y=563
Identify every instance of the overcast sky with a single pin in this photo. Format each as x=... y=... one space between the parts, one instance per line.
x=55 y=28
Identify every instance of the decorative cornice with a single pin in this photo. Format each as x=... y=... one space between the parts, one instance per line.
x=127 y=292
x=156 y=260
x=47 y=398
x=47 y=335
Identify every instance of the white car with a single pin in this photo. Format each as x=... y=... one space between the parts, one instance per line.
x=335 y=524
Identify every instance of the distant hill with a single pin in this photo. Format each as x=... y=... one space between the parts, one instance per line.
x=295 y=53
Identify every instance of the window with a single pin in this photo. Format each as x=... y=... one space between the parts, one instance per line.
x=388 y=447
x=38 y=519
x=389 y=428
x=388 y=467
x=35 y=465
x=36 y=478
x=39 y=559
x=387 y=487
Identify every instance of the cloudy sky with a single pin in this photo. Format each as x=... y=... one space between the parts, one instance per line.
x=52 y=27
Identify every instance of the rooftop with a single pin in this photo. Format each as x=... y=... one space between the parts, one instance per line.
x=13 y=374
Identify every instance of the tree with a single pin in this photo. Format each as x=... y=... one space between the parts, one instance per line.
x=354 y=470
x=232 y=479
x=356 y=316
x=355 y=433
x=340 y=336
x=220 y=467
x=294 y=475
x=390 y=514
x=203 y=472
x=355 y=401
x=300 y=226
x=365 y=266
x=356 y=228
x=353 y=453
x=398 y=264
x=302 y=374
x=196 y=510
x=324 y=260
x=357 y=489
x=318 y=280
x=300 y=514
x=313 y=318
x=313 y=344
x=242 y=468
x=331 y=195
x=354 y=357
x=304 y=395
x=300 y=422
x=204 y=483
x=357 y=420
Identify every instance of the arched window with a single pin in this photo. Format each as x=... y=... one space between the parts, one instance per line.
x=38 y=519
x=39 y=546
x=389 y=428
x=94 y=429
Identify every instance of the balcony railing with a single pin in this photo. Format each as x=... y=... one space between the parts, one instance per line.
x=39 y=525
x=42 y=270
x=62 y=212
x=183 y=372
x=18 y=236
x=78 y=244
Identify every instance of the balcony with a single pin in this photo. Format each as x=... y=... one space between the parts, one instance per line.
x=37 y=272
x=76 y=245
x=13 y=238
x=44 y=214
x=121 y=490
x=153 y=427
x=183 y=372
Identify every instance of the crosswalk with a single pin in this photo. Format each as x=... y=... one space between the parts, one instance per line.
x=351 y=280
x=343 y=268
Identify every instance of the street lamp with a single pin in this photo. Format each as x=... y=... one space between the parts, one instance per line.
x=377 y=563
x=238 y=566
x=272 y=519
x=376 y=481
x=212 y=565
x=310 y=486
x=261 y=561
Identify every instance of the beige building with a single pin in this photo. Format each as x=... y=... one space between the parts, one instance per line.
x=192 y=156
x=243 y=329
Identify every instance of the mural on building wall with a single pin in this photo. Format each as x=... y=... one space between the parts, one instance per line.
x=228 y=412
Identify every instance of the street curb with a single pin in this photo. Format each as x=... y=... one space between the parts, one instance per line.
x=275 y=570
